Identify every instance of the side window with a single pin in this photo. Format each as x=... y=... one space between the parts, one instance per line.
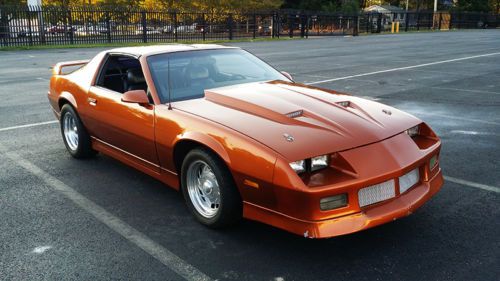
x=122 y=73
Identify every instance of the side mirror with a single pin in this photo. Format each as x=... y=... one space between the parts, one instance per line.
x=136 y=96
x=287 y=75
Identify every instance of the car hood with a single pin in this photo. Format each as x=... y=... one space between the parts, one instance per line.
x=299 y=121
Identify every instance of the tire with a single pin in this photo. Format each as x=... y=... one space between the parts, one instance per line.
x=230 y=207
x=77 y=141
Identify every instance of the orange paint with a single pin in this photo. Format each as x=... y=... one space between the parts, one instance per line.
x=245 y=125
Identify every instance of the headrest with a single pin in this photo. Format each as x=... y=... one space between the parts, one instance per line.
x=198 y=72
x=135 y=76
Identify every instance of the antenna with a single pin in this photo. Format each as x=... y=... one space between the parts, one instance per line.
x=168 y=85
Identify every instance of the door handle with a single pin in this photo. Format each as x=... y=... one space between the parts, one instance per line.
x=92 y=101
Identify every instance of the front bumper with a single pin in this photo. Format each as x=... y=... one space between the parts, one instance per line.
x=296 y=203
x=381 y=213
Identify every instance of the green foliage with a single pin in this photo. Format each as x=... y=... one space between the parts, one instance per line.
x=350 y=7
x=474 y=5
x=428 y=5
x=12 y=2
x=214 y=6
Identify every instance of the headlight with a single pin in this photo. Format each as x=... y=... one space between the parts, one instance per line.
x=319 y=162
x=311 y=165
x=298 y=166
x=413 y=131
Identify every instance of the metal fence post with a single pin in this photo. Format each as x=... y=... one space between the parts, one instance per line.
x=144 y=28
x=355 y=31
x=71 y=31
x=440 y=19
x=407 y=21
x=308 y=22
x=302 y=26
x=273 y=23
x=254 y=25
x=41 y=24
x=108 y=26
x=174 y=16
x=230 y=26
x=368 y=23
x=418 y=20
x=379 y=23
x=204 y=24
x=28 y=13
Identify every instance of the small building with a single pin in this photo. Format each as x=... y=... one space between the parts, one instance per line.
x=389 y=13
x=384 y=9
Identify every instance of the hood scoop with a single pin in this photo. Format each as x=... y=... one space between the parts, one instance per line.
x=297 y=117
x=248 y=107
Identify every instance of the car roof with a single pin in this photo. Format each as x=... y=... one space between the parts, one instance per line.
x=167 y=48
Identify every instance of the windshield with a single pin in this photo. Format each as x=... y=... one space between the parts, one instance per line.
x=193 y=72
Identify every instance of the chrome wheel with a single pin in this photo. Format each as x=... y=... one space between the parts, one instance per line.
x=70 y=131
x=203 y=189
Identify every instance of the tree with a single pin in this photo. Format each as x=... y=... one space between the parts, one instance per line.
x=347 y=6
x=350 y=7
x=474 y=5
x=12 y=2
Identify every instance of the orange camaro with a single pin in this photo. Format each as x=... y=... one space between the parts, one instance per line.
x=241 y=139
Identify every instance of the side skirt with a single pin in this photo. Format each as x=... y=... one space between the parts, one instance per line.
x=166 y=176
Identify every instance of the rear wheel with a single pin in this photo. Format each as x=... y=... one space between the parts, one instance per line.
x=74 y=134
x=209 y=189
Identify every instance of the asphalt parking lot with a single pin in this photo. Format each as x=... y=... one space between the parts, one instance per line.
x=51 y=206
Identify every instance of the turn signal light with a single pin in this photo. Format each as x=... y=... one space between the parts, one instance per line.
x=433 y=162
x=333 y=202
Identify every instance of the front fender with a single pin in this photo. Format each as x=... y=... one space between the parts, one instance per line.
x=206 y=140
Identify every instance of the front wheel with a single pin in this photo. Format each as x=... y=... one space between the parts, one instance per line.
x=74 y=134
x=209 y=189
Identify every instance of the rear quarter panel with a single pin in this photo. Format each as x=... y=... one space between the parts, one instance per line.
x=73 y=87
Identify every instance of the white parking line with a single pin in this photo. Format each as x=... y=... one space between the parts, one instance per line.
x=28 y=125
x=402 y=68
x=169 y=259
x=473 y=184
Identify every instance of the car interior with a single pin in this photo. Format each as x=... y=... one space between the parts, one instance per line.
x=190 y=76
x=122 y=74
x=185 y=76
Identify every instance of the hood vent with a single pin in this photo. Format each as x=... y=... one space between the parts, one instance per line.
x=344 y=103
x=295 y=114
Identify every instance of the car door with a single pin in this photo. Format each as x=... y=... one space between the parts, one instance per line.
x=126 y=127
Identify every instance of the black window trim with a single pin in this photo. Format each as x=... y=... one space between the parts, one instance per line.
x=103 y=65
